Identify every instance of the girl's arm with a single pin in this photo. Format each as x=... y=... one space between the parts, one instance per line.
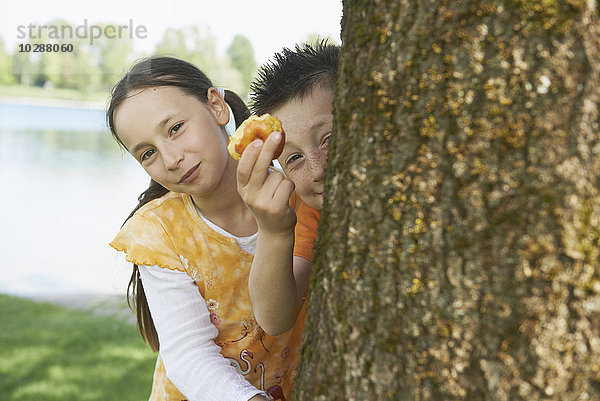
x=276 y=295
x=192 y=360
x=272 y=283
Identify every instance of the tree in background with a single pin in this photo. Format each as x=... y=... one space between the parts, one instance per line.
x=78 y=69
x=114 y=58
x=241 y=54
x=96 y=66
x=458 y=255
x=190 y=44
x=174 y=44
x=22 y=68
x=199 y=48
x=6 y=75
x=48 y=65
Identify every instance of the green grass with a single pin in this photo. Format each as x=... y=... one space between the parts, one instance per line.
x=56 y=93
x=51 y=353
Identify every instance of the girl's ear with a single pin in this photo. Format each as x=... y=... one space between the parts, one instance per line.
x=218 y=106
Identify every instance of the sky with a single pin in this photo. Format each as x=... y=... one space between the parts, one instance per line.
x=268 y=24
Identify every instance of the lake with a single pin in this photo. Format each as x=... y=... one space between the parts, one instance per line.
x=67 y=189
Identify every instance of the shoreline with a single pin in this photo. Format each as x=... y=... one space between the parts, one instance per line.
x=52 y=102
x=108 y=304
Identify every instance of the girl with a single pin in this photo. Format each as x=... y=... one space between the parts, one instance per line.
x=192 y=239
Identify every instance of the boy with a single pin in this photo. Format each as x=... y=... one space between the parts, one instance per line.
x=298 y=88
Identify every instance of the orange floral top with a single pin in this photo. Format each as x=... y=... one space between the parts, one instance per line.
x=169 y=233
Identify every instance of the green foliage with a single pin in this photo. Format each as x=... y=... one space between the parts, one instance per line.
x=114 y=56
x=198 y=47
x=52 y=353
x=78 y=69
x=173 y=43
x=16 y=90
x=242 y=59
x=22 y=68
x=190 y=44
x=6 y=77
x=96 y=67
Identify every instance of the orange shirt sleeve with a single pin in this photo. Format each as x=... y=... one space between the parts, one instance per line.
x=306 y=228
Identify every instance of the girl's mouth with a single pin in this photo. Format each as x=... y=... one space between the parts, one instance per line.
x=190 y=175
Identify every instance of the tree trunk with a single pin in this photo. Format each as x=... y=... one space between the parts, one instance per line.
x=458 y=250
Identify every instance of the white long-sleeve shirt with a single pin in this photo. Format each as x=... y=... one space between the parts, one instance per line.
x=192 y=360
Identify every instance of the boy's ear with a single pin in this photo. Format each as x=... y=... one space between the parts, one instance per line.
x=218 y=106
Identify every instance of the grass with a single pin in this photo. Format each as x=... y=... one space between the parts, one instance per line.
x=48 y=352
x=56 y=93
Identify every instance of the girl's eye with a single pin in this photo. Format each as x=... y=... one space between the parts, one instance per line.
x=175 y=128
x=147 y=154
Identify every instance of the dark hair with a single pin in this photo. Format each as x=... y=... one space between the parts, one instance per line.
x=294 y=73
x=147 y=73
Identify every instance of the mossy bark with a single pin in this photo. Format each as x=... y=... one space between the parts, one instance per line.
x=458 y=250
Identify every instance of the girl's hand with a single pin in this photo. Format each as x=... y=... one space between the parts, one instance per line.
x=266 y=193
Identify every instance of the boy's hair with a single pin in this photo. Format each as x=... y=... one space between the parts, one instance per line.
x=294 y=73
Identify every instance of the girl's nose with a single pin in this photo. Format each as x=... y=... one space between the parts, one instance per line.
x=172 y=158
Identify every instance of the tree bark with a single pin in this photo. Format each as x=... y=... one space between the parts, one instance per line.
x=458 y=249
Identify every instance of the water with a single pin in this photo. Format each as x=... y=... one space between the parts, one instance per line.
x=67 y=189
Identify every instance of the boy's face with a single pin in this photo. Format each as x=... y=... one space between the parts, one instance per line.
x=307 y=123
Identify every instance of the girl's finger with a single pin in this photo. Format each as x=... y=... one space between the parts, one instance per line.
x=247 y=162
x=263 y=162
x=284 y=191
x=271 y=183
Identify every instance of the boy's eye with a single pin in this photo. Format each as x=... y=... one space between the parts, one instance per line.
x=292 y=159
x=175 y=128
x=147 y=154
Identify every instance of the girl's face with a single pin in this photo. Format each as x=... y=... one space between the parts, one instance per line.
x=176 y=138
